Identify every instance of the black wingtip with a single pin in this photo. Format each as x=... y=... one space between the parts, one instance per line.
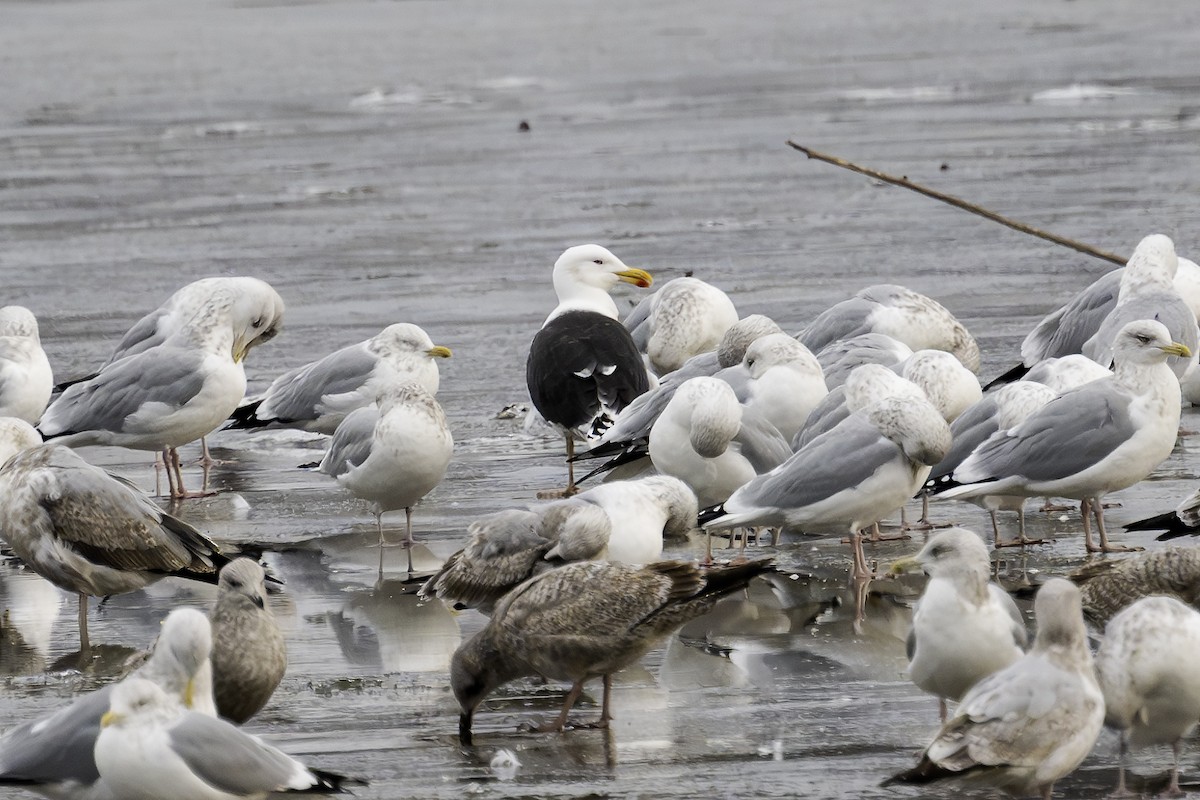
x=709 y=514
x=1169 y=522
x=332 y=782
x=935 y=486
x=627 y=456
x=245 y=417
x=1014 y=374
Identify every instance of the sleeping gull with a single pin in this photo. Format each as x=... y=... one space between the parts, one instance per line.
x=865 y=386
x=584 y=620
x=317 y=396
x=1148 y=292
x=919 y=321
x=839 y=358
x=168 y=395
x=16 y=435
x=784 y=382
x=684 y=318
x=707 y=439
x=53 y=755
x=1064 y=373
x=392 y=455
x=849 y=478
x=950 y=387
x=583 y=364
x=248 y=654
x=25 y=375
x=1108 y=586
x=1104 y=436
x=93 y=534
x=1146 y=666
x=1031 y=723
x=964 y=628
x=147 y=742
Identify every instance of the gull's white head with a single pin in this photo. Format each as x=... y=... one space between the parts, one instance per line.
x=16 y=435
x=179 y=663
x=586 y=273
x=712 y=411
x=779 y=349
x=18 y=321
x=137 y=701
x=915 y=425
x=741 y=334
x=1153 y=264
x=1145 y=341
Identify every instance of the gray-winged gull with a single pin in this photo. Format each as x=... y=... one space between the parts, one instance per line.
x=964 y=628
x=784 y=382
x=684 y=318
x=919 y=321
x=90 y=533
x=583 y=364
x=1146 y=666
x=54 y=754
x=849 y=478
x=249 y=657
x=26 y=379
x=393 y=454
x=316 y=397
x=865 y=386
x=1104 y=436
x=147 y=743
x=585 y=620
x=1031 y=723
x=839 y=358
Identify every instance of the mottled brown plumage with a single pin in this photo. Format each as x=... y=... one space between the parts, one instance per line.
x=585 y=620
x=248 y=655
x=1109 y=586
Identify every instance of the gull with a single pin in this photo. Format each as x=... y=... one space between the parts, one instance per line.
x=1031 y=723
x=784 y=382
x=91 y=533
x=585 y=620
x=54 y=754
x=964 y=628
x=1109 y=586
x=25 y=375
x=1184 y=520
x=147 y=742
x=848 y=478
x=1146 y=666
x=684 y=318
x=249 y=657
x=1104 y=436
x=951 y=387
x=918 y=321
x=839 y=358
x=168 y=395
x=865 y=386
x=317 y=396
x=392 y=455
x=583 y=364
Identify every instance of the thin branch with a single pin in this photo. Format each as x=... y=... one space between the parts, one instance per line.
x=963 y=204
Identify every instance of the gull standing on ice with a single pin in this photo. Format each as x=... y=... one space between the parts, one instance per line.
x=248 y=655
x=26 y=379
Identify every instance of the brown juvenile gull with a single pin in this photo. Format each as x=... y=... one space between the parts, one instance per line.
x=583 y=364
x=170 y=394
x=392 y=455
x=1110 y=585
x=317 y=396
x=1031 y=723
x=1146 y=666
x=54 y=754
x=25 y=375
x=1104 y=436
x=249 y=656
x=585 y=620
x=91 y=533
x=147 y=742
x=964 y=628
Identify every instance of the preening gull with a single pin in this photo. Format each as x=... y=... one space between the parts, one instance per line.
x=999 y=410
x=54 y=754
x=784 y=382
x=707 y=439
x=1064 y=373
x=1184 y=520
x=839 y=358
x=1148 y=292
x=1146 y=666
x=248 y=655
x=147 y=742
x=919 y=321
x=1031 y=723
x=168 y=395
x=1104 y=436
x=865 y=386
x=317 y=396
x=684 y=318
x=393 y=454
x=624 y=521
x=950 y=387
x=25 y=375
x=584 y=620
x=849 y=478
x=583 y=363
x=90 y=533
x=964 y=628
x=1108 y=586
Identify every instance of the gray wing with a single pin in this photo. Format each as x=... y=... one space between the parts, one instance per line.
x=828 y=414
x=844 y=320
x=1166 y=307
x=295 y=395
x=972 y=428
x=840 y=459
x=1066 y=436
x=224 y=757
x=167 y=375
x=761 y=442
x=142 y=336
x=638 y=321
x=58 y=747
x=351 y=442
x=637 y=418
x=738 y=378
x=1019 y=633
x=839 y=358
x=1064 y=331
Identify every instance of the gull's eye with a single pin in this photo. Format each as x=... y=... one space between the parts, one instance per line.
x=598 y=261
x=258 y=321
x=1143 y=339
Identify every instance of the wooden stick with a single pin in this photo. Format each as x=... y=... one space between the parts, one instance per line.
x=963 y=204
